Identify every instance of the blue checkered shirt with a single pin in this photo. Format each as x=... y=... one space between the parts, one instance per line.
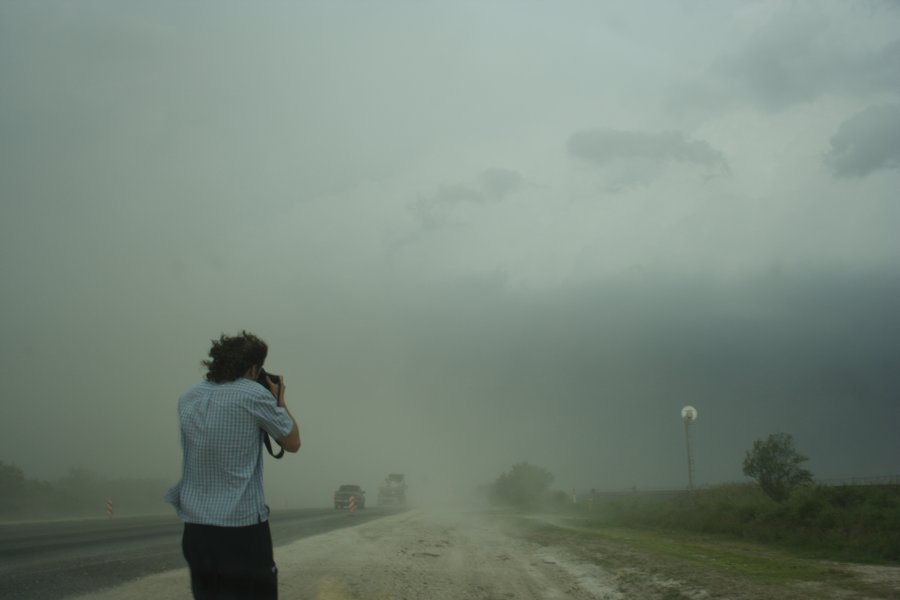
x=222 y=428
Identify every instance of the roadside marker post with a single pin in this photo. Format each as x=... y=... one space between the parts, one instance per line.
x=109 y=509
x=351 y=506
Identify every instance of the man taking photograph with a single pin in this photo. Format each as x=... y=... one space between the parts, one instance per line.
x=224 y=420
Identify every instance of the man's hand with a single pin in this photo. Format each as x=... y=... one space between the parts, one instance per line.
x=291 y=442
x=277 y=389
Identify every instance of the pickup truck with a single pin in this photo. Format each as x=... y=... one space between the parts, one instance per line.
x=345 y=492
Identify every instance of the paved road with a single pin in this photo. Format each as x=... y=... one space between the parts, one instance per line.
x=64 y=558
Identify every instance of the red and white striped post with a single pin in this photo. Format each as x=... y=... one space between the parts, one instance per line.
x=351 y=506
x=109 y=509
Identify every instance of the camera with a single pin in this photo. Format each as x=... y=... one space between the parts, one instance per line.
x=261 y=378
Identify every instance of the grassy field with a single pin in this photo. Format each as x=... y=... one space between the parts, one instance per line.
x=722 y=566
x=847 y=523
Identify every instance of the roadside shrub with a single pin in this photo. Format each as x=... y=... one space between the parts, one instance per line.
x=524 y=486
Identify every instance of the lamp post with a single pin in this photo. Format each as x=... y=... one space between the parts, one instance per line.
x=689 y=415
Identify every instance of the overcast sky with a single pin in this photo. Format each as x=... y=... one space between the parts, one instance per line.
x=472 y=233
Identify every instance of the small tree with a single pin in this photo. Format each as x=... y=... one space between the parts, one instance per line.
x=775 y=464
x=524 y=485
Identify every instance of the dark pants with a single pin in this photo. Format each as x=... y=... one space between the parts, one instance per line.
x=230 y=562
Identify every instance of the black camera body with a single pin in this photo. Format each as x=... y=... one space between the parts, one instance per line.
x=262 y=380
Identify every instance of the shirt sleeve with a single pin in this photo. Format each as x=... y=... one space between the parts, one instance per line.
x=270 y=417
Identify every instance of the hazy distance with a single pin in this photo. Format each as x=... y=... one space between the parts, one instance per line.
x=472 y=234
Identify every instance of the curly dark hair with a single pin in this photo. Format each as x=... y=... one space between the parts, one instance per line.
x=233 y=355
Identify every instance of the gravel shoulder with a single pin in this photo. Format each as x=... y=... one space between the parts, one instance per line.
x=470 y=556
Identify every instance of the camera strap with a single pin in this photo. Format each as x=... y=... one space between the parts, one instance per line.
x=268 y=444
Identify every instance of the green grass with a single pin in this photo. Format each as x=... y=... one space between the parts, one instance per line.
x=857 y=524
x=746 y=560
x=701 y=559
x=750 y=561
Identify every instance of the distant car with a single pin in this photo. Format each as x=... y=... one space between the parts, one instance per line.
x=345 y=492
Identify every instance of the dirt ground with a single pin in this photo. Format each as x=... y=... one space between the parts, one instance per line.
x=452 y=555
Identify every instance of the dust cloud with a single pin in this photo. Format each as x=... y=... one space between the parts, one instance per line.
x=472 y=235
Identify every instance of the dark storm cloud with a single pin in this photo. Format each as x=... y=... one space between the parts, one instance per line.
x=783 y=63
x=879 y=71
x=866 y=142
x=498 y=183
x=795 y=57
x=457 y=194
x=491 y=185
x=433 y=211
x=594 y=376
x=794 y=63
x=603 y=146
